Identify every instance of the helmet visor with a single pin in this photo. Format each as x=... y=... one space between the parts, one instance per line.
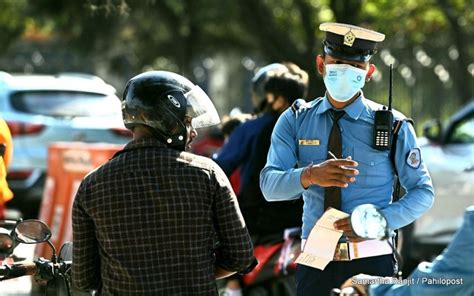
x=201 y=109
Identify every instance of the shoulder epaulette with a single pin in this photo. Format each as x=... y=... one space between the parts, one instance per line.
x=299 y=105
x=398 y=124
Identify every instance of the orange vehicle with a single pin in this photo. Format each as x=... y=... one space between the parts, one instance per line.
x=68 y=163
x=6 y=151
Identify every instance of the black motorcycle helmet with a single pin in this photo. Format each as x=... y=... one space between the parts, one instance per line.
x=161 y=100
x=258 y=83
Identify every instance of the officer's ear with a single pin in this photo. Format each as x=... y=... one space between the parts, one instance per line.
x=370 y=72
x=320 y=64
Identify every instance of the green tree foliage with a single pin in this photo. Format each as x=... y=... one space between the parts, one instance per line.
x=427 y=40
x=12 y=21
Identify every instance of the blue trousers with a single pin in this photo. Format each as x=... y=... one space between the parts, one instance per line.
x=311 y=281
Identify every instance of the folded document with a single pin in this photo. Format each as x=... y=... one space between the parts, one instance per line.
x=322 y=241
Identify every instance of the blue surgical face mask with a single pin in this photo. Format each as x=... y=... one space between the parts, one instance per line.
x=343 y=81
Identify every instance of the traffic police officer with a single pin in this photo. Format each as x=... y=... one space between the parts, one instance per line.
x=299 y=161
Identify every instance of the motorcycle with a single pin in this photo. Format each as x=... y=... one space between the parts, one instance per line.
x=274 y=274
x=55 y=271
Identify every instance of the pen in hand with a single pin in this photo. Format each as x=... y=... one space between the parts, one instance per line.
x=332 y=154
x=334 y=157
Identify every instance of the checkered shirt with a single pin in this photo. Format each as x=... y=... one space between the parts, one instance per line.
x=147 y=223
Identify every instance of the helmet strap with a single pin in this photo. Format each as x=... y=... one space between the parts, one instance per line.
x=173 y=141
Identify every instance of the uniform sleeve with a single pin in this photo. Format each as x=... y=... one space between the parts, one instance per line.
x=234 y=151
x=414 y=177
x=86 y=267
x=279 y=180
x=452 y=273
x=235 y=250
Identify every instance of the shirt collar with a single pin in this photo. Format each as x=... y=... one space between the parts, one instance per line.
x=354 y=110
x=142 y=143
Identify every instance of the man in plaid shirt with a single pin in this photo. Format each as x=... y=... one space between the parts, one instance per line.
x=156 y=220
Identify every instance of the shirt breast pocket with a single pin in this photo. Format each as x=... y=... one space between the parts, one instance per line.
x=311 y=154
x=375 y=168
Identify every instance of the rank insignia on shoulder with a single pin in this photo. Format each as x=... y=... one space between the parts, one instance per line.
x=298 y=105
x=414 y=158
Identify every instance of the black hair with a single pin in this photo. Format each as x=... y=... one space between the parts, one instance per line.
x=229 y=126
x=290 y=86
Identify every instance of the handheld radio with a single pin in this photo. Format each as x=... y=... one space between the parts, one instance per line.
x=383 y=123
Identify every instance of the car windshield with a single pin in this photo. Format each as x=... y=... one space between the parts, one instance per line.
x=65 y=103
x=464 y=132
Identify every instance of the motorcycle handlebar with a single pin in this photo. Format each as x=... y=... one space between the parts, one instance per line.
x=17 y=270
x=8 y=223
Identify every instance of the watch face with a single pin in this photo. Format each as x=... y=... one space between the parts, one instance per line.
x=368 y=222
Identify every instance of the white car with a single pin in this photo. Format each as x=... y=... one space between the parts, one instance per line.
x=448 y=151
x=41 y=109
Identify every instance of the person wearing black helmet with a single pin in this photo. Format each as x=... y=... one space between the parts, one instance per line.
x=155 y=219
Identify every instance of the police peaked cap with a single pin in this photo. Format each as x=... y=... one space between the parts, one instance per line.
x=350 y=42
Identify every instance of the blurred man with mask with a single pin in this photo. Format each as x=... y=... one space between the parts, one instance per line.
x=236 y=151
x=264 y=218
x=156 y=220
x=267 y=221
x=325 y=150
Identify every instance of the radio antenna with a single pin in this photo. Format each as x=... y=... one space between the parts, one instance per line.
x=390 y=89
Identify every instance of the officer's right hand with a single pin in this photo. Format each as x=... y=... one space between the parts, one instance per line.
x=332 y=172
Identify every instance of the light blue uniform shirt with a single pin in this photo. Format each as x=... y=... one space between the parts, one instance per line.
x=288 y=156
x=452 y=273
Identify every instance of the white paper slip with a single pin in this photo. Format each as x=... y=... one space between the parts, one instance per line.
x=322 y=241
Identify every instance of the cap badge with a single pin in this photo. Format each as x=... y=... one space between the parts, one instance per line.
x=349 y=38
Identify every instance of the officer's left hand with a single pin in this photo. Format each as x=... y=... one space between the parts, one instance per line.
x=344 y=224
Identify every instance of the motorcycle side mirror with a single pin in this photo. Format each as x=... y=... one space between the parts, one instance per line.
x=368 y=222
x=32 y=232
x=65 y=253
